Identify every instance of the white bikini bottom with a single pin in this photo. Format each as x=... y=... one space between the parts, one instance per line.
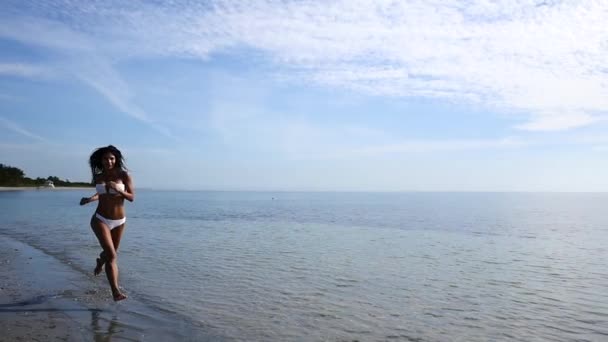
x=111 y=223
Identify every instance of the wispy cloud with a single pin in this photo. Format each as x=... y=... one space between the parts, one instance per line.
x=22 y=70
x=99 y=74
x=324 y=147
x=301 y=139
x=422 y=146
x=542 y=60
x=80 y=58
x=10 y=97
x=10 y=125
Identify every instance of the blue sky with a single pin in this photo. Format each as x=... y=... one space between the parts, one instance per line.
x=310 y=95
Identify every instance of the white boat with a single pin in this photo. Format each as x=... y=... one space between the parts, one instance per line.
x=47 y=185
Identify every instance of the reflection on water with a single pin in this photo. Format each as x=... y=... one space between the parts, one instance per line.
x=103 y=330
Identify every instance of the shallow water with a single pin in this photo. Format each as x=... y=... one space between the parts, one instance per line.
x=342 y=266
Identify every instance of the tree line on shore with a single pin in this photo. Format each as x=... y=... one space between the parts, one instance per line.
x=13 y=176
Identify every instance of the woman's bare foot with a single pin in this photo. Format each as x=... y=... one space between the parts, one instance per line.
x=119 y=296
x=99 y=266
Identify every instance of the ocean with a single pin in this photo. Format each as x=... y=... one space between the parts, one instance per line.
x=298 y=266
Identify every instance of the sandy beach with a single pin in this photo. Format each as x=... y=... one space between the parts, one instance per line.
x=42 y=299
x=26 y=188
x=57 y=188
x=33 y=305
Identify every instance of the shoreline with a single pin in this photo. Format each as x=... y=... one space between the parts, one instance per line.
x=45 y=299
x=30 y=188
x=35 y=300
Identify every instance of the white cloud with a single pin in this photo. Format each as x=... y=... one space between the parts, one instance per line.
x=296 y=138
x=556 y=121
x=601 y=148
x=542 y=58
x=424 y=146
x=22 y=70
x=10 y=125
x=317 y=151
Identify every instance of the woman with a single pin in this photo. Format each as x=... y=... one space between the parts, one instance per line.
x=113 y=185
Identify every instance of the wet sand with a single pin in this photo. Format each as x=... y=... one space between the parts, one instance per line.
x=40 y=300
x=32 y=298
x=44 y=299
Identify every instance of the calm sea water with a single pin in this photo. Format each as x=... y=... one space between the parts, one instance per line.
x=342 y=266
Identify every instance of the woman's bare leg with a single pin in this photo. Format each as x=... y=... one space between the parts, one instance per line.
x=99 y=263
x=102 y=232
x=116 y=237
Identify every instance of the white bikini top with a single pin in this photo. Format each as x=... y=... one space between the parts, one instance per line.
x=101 y=188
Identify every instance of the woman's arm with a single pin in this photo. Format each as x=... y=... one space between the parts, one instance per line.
x=86 y=200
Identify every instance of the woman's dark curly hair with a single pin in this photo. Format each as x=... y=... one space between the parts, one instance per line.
x=96 y=164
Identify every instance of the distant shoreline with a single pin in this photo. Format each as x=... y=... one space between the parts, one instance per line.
x=26 y=188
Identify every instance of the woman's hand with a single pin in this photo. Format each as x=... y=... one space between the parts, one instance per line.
x=113 y=185
x=86 y=200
